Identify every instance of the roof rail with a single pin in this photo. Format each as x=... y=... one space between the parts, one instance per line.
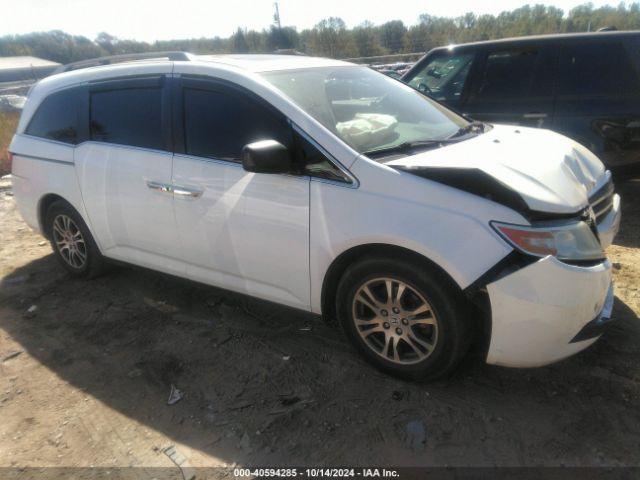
x=127 y=57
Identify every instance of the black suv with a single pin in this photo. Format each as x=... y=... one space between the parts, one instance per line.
x=585 y=86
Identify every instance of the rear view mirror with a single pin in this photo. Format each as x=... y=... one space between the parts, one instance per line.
x=266 y=156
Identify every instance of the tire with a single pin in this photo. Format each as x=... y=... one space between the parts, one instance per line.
x=72 y=243
x=431 y=314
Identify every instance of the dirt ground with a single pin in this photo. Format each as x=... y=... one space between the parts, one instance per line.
x=85 y=379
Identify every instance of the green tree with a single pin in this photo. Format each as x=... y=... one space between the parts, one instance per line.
x=367 y=40
x=331 y=38
x=239 y=42
x=106 y=42
x=281 y=38
x=392 y=36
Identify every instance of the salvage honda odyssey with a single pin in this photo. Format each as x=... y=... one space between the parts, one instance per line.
x=327 y=187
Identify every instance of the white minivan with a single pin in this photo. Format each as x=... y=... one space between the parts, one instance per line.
x=331 y=188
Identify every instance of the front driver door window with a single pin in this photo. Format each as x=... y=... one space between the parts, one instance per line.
x=444 y=77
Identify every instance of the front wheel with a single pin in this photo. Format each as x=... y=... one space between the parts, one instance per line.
x=406 y=319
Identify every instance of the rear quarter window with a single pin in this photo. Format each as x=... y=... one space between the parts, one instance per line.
x=57 y=118
x=597 y=69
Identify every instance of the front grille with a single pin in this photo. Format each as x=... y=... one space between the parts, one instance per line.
x=602 y=201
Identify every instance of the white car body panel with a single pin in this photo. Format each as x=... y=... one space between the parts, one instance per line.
x=552 y=173
x=538 y=310
x=246 y=232
x=132 y=222
x=47 y=169
x=276 y=236
x=396 y=208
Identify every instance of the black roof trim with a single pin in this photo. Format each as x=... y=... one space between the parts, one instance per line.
x=554 y=37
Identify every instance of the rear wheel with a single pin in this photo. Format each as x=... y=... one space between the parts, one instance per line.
x=72 y=242
x=406 y=319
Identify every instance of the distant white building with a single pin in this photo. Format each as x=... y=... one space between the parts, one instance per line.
x=19 y=71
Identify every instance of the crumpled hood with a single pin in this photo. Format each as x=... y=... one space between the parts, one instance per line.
x=550 y=172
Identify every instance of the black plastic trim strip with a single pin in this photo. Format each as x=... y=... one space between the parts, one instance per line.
x=513 y=262
x=593 y=329
x=127 y=82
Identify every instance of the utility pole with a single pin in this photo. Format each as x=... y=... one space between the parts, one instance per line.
x=276 y=16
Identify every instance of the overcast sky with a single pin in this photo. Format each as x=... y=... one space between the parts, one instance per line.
x=161 y=20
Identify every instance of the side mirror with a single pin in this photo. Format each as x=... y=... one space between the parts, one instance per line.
x=266 y=156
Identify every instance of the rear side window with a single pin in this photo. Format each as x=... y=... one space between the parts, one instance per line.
x=597 y=69
x=57 y=118
x=218 y=124
x=131 y=116
x=508 y=73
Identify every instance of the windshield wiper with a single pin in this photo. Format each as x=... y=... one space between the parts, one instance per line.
x=472 y=127
x=404 y=147
x=410 y=146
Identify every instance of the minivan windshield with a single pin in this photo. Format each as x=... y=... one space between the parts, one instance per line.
x=368 y=110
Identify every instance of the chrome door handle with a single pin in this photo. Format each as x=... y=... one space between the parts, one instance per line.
x=159 y=187
x=186 y=192
x=174 y=189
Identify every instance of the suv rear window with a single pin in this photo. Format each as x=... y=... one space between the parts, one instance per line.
x=131 y=116
x=597 y=69
x=56 y=118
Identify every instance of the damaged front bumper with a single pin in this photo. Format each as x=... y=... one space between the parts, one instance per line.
x=610 y=224
x=542 y=313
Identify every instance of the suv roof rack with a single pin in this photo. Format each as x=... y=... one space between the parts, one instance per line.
x=127 y=57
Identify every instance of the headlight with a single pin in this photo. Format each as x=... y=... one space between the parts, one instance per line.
x=569 y=241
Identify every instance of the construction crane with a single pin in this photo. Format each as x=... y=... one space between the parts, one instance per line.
x=276 y=16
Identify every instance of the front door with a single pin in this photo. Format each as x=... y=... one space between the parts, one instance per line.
x=243 y=231
x=124 y=170
x=513 y=85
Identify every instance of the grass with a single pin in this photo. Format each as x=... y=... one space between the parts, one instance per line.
x=8 y=124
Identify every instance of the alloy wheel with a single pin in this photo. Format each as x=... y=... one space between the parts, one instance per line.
x=395 y=320
x=69 y=241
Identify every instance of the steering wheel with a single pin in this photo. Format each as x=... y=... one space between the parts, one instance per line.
x=424 y=88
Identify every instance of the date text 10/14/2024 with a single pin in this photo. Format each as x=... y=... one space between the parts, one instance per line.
x=315 y=473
